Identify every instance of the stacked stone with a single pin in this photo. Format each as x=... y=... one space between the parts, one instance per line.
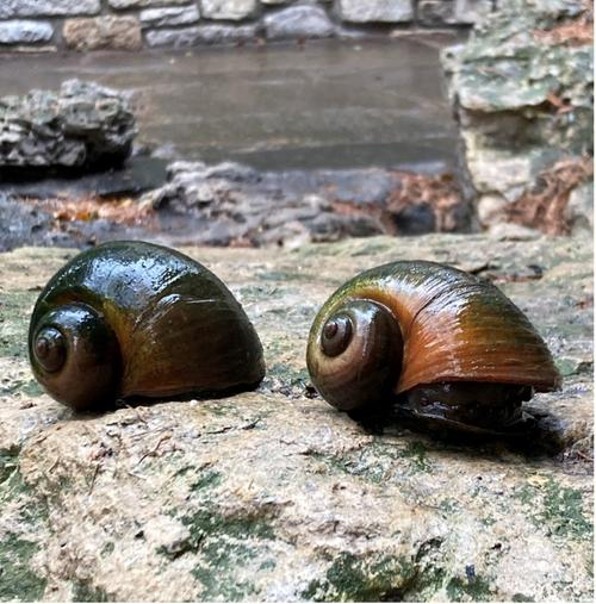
x=135 y=24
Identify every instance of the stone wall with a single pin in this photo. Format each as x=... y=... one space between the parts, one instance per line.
x=81 y=25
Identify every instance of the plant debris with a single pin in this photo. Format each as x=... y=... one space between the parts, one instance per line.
x=544 y=206
x=421 y=203
x=576 y=32
x=125 y=211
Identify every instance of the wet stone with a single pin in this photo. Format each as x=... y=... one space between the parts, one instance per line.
x=500 y=83
x=25 y=32
x=203 y=34
x=173 y=15
x=48 y=8
x=472 y=11
x=122 y=4
x=435 y=12
x=389 y=11
x=299 y=21
x=81 y=126
x=234 y=10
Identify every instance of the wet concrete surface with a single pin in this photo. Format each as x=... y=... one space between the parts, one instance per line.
x=325 y=104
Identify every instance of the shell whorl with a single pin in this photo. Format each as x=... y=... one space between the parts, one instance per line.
x=75 y=355
x=358 y=349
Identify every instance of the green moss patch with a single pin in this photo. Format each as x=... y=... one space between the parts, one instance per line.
x=283 y=276
x=206 y=523
x=27 y=387
x=417 y=453
x=557 y=508
x=8 y=464
x=14 y=322
x=475 y=589
x=563 y=511
x=521 y=598
x=17 y=580
x=207 y=480
x=217 y=571
x=378 y=462
x=83 y=591
x=227 y=547
x=368 y=579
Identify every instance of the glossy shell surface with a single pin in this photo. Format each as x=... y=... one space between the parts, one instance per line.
x=455 y=327
x=177 y=327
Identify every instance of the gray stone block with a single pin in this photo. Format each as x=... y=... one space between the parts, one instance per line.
x=199 y=35
x=169 y=16
x=122 y=4
x=233 y=10
x=472 y=11
x=48 y=8
x=83 y=125
x=22 y=31
x=387 y=11
x=435 y=13
x=299 y=21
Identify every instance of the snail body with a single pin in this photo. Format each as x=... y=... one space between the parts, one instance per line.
x=133 y=320
x=432 y=342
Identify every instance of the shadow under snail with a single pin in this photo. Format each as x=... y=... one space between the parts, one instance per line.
x=133 y=320
x=429 y=343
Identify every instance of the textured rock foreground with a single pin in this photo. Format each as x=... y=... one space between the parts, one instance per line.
x=273 y=495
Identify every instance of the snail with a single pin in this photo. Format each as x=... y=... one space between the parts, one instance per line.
x=130 y=320
x=429 y=343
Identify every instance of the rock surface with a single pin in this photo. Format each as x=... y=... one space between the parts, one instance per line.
x=173 y=15
x=202 y=34
x=48 y=8
x=273 y=495
x=81 y=127
x=192 y=203
x=297 y=21
x=521 y=89
x=376 y=10
x=235 y=10
x=108 y=32
x=23 y=31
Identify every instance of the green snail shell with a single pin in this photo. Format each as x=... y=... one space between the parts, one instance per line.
x=134 y=320
x=430 y=338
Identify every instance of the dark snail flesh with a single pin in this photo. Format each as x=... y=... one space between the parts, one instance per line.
x=433 y=343
x=133 y=320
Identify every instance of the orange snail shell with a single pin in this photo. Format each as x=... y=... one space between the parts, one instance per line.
x=403 y=326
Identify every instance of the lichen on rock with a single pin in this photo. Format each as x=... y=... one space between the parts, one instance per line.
x=521 y=89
